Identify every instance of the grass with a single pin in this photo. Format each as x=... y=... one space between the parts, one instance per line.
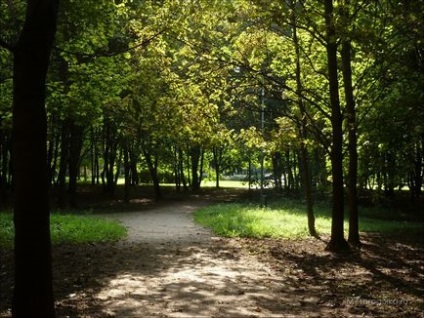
x=287 y=219
x=67 y=228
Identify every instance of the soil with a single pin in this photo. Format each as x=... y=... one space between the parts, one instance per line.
x=168 y=266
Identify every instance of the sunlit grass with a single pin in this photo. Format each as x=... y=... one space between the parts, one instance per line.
x=66 y=228
x=286 y=219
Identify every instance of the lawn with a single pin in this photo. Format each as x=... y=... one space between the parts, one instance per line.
x=287 y=219
x=68 y=228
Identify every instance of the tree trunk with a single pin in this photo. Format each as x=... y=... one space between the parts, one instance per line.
x=93 y=156
x=290 y=184
x=181 y=169
x=33 y=292
x=337 y=242
x=153 y=168
x=276 y=164
x=353 y=237
x=195 y=162
x=217 y=159
x=127 y=169
x=304 y=156
x=76 y=141
x=5 y=165
x=63 y=165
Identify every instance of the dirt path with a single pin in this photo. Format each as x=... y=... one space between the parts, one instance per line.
x=185 y=271
x=172 y=224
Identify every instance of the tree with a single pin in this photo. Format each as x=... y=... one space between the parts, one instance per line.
x=337 y=240
x=33 y=293
x=346 y=50
x=303 y=132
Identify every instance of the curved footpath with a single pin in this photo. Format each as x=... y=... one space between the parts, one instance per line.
x=184 y=271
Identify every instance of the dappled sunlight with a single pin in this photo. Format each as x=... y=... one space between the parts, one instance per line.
x=200 y=283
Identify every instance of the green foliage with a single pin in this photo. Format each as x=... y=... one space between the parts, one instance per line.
x=286 y=219
x=69 y=229
x=198 y=81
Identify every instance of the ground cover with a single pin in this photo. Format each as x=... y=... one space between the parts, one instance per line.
x=286 y=218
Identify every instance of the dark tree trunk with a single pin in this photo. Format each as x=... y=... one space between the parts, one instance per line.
x=153 y=168
x=133 y=157
x=181 y=167
x=417 y=174
x=127 y=169
x=337 y=242
x=53 y=154
x=196 y=161
x=217 y=159
x=109 y=157
x=63 y=165
x=33 y=292
x=353 y=237
x=249 y=172
x=277 y=171
x=304 y=156
x=176 y=167
x=290 y=184
x=5 y=165
x=93 y=157
x=77 y=134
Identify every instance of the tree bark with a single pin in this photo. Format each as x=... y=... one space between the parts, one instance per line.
x=127 y=169
x=303 y=126
x=196 y=160
x=63 y=165
x=353 y=236
x=76 y=142
x=217 y=159
x=337 y=241
x=33 y=292
x=152 y=164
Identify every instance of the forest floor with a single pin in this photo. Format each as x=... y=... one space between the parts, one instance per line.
x=170 y=267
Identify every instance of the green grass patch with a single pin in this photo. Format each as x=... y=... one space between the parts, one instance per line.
x=285 y=219
x=70 y=229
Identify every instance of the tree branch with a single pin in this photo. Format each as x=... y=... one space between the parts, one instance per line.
x=105 y=53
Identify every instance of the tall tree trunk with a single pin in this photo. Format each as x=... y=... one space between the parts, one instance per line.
x=276 y=164
x=127 y=169
x=93 y=156
x=77 y=134
x=195 y=153
x=337 y=242
x=290 y=184
x=133 y=157
x=181 y=167
x=217 y=158
x=33 y=292
x=353 y=236
x=153 y=168
x=303 y=126
x=5 y=165
x=63 y=165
